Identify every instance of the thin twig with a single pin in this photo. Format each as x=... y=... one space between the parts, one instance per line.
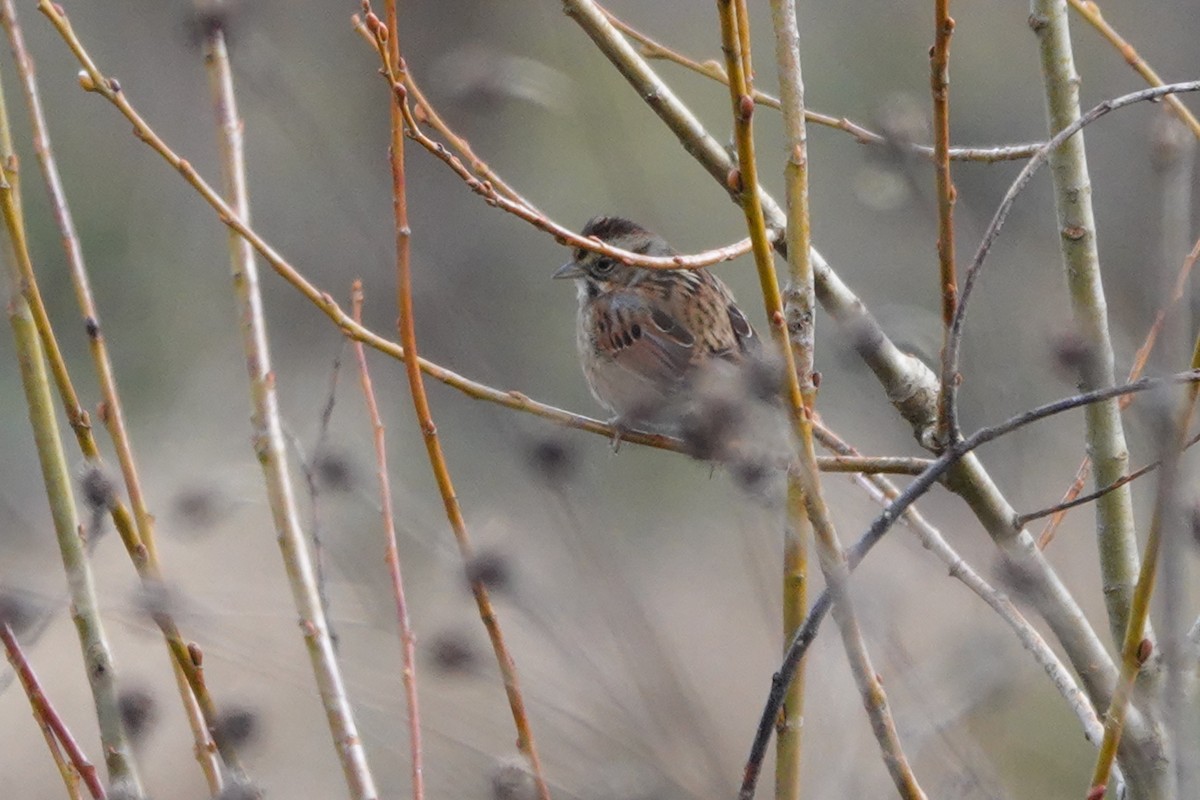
x=308 y=470
x=939 y=81
x=1136 y=648
x=1091 y=12
x=804 y=487
x=1022 y=180
x=136 y=530
x=1116 y=529
x=884 y=491
x=1024 y=519
x=99 y=665
x=895 y=510
x=402 y=123
x=47 y=716
x=408 y=670
x=1140 y=360
x=563 y=235
x=799 y=309
x=932 y=539
x=654 y=49
x=269 y=443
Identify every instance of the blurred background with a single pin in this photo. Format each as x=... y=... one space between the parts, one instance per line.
x=639 y=590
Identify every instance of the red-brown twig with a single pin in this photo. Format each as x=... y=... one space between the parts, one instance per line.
x=939 y=81
x=46 y=715
x=388 y=42
x=505 y=200
x=407 y=639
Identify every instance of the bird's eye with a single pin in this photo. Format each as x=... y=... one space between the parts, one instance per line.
x=604 y=266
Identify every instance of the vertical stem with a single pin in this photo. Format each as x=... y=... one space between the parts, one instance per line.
x=939 y=79
x=48 y=718
x=98 y=660
x=99 y=664
x=433 y=446
x=1135 y=647
x=407 y=639
x=804 y=480
x=136 y=530
x=800 y=314
x=1081 y=263
x=268 y=437
x=1173 y=150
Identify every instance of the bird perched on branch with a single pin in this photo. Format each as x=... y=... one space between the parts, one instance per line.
x=646 y=337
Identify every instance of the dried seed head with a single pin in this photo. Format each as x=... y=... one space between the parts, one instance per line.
x=98 y=488
x=335 y=471
x=18 y=609
x=764 y=379
x=490 y=568
x=708 y=429
x=237 y=726
x=452 y=652
x=552 y=460
x=1072 y=353
x=200 y=507
x=139 y=712
x=512 y=780
x=751 y=476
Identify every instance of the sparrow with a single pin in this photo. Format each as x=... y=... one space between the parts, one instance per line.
x=646 y=337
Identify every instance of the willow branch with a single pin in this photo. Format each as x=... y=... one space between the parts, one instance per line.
x=408 y=667
x=48 y=718
x=883 y=491
x=1135 y=647
x=267 y=428
x=1090 y=11
x=804 y=488
x=1140 y=360
x=401 y=119
x=939 y=80
x=711 y=69
x=1087 y=498
x=135 y=530
x=98 y=661
x=800 y=313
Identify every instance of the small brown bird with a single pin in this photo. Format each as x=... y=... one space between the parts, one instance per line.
x=646 y=335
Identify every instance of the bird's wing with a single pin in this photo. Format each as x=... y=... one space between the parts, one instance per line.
x=642 y=338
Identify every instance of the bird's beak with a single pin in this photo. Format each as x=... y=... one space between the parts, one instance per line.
x=569 y=270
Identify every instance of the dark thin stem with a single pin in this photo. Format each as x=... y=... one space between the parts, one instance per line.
x=953 y=346
x=808 y=631
x=1024 y=519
